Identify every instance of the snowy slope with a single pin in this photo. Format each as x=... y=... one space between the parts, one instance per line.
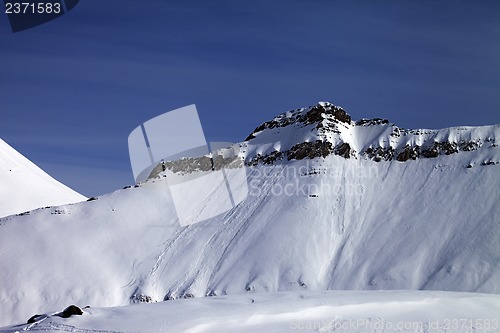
x=342 y=221
x=344 y=311
x=24 y=186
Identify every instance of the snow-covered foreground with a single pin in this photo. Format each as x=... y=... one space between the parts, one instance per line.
x=24 y=186
x=329 y=311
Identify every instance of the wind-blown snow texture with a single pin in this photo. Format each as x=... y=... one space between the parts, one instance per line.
x=321 y=213
x=24 y=186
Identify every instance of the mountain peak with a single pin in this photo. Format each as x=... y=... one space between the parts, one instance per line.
x=315 y=114
x=24 y=186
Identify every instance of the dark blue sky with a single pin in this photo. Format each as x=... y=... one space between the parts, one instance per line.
x=74 y=88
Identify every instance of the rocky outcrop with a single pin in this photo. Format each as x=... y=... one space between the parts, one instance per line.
x=303 y=117
x=379 y=154
x=310 y=150
x=408 y=153
x=304 y=150
x=344 y=150
x=212 y=162
x=266 y=159
x=71 y=310
x=412 y=152
x=371 y=122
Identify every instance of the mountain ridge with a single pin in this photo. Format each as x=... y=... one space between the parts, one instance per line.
x=325 y=129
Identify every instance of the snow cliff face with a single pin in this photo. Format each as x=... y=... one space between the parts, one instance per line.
x=332 y=204
x=24 y=186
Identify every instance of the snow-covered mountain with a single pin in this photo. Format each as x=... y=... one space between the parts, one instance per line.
x=332 y=204
x=24 y=186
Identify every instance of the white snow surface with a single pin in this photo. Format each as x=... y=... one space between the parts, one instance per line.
x=310 y=225
x=24 y=186
x=327 y=311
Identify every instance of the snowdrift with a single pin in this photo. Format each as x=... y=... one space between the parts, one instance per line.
x=327 y=311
